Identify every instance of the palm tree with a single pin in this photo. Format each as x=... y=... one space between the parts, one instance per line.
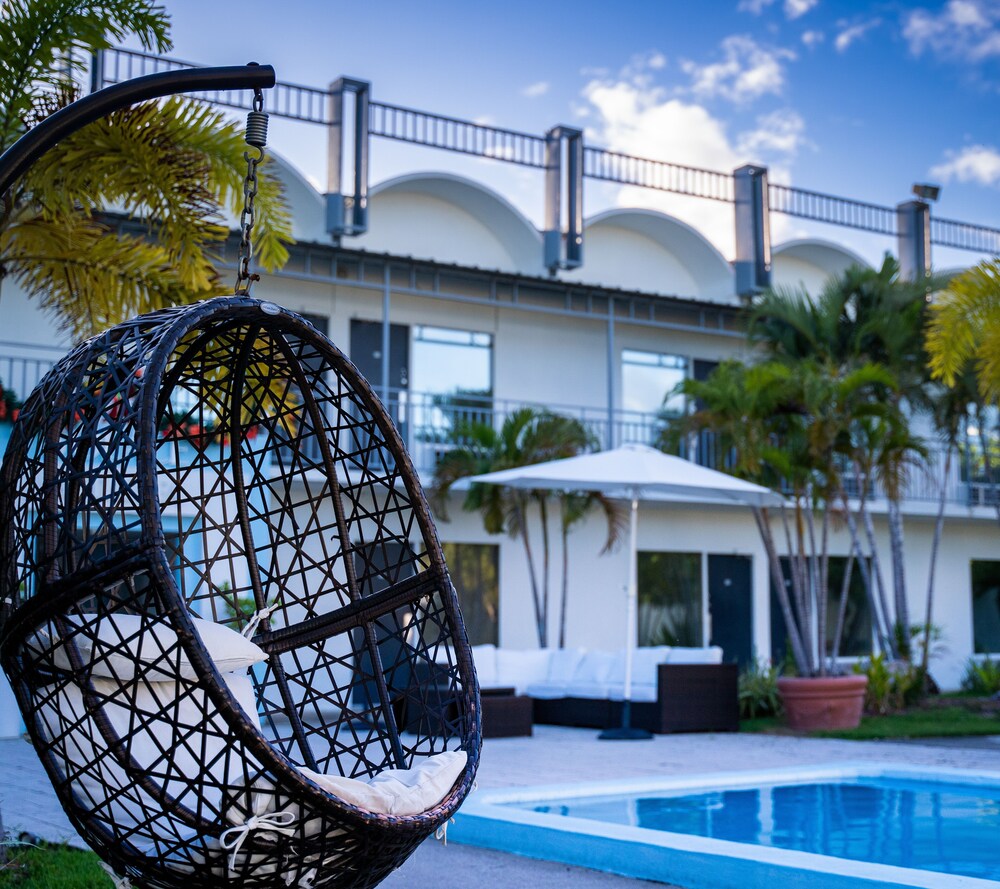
x=174 y=166
x=863 y=317
x=526 y=436
x=964 y=329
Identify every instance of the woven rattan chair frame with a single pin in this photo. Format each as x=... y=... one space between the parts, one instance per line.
x=226 y=461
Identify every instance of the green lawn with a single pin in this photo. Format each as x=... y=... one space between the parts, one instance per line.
x=52 y=867
x=934 y=722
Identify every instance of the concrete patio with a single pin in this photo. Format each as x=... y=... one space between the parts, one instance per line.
x=553 y=756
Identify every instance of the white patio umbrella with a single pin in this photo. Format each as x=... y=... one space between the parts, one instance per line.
x=631 y=472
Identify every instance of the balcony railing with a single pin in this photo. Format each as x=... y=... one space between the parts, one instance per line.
x=427 y=423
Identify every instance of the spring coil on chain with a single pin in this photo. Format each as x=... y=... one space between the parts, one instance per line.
x=256 y=137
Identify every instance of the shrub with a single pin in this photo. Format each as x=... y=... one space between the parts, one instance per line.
x=758 y=690
x=892 y=685
x=982 y=677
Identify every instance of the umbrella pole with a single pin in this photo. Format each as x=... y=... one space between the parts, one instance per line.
x=625 y=732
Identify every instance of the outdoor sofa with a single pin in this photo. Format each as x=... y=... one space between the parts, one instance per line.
x=673 y=689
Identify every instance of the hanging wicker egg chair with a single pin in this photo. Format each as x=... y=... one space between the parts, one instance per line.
x=224 y=610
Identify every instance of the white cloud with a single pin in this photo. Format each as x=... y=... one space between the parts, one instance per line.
x=747 y=72
x=780 y=132
x=656 y=61
x=534 y=90
x=854 y=32
x=648 y=122
x=756 y=7
x=793 y=8
x=967 y=30
x=977 y=163
x=813 y=38
x=796 y=8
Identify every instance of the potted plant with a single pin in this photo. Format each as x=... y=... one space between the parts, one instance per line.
x=790 y=428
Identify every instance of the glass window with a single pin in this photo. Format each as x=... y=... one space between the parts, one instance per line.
x=648 y=377
x=670 y=599
x=474 y=571
x=856 y=639
x=986 y=606
x=857 y=636
x=451 y=380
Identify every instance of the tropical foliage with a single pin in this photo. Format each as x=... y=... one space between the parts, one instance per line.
x=526 y=436
x=823 y=414
x=171 y=167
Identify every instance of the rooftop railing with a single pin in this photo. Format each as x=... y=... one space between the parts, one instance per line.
x=311 y=105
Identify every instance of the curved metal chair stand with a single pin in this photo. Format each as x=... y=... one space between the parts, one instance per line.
x=223 y=464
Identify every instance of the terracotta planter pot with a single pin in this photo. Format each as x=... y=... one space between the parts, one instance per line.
x=822 y=702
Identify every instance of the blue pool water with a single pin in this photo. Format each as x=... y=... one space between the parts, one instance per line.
x=935 y=826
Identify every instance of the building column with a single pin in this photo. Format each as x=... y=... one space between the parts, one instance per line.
x=913 y=233
x=563 y=184
x=753 y=230
x=347 y=214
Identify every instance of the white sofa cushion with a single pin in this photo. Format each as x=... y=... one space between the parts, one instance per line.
x=711 y=655
x=485 y=659
x=583 y=689
x=547 y=690
x=641 y=692
x=563 y=663
x=594 y=667
x=122 y=649
x=644 y=663
x=521 y=667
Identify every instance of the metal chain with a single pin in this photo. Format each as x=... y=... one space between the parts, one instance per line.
x=256 y=137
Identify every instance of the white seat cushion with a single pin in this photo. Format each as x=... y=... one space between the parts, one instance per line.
x=398 y=791
x=563 y=663
x=122 y=646
x=521 y=667
x=485 y=659
x=643 y=692
x=547 y=690
x=644 y=663
x=711 y=655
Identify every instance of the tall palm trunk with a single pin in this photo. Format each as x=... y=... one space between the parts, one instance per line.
x=536 y=598
x=564 y=595
x=866 y=576
x=543 y=508
x=935 y=544
x=845 y=589
x=902 y=623
x=762 y=519
x=876 y=568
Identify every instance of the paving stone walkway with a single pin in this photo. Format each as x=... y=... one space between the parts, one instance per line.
x=553 y=756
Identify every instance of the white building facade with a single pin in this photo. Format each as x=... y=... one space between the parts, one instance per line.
x=448 y=306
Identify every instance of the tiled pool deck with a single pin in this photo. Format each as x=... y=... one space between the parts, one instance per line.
x=552 y=756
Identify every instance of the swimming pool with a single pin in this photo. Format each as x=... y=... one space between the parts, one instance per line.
x=826 y=828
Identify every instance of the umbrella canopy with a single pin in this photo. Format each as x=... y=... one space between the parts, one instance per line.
x=630 y=472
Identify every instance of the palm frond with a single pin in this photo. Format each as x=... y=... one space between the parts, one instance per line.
x=45 y=43
x=89 y=278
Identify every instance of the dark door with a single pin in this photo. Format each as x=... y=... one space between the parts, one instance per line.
x=730 y=607
x=366 y=353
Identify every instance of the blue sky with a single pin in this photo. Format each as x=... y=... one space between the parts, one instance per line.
x=860 y=99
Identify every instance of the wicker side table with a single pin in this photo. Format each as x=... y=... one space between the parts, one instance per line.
x=505 y=714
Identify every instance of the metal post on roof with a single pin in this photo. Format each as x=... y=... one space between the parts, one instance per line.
x=347 y=214
x=563 y=183
x=913 y=236
x=753 y=230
